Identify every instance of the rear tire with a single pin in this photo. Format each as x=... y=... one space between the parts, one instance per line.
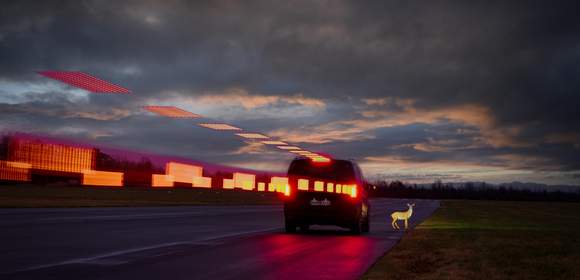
x=289 y=226
x=366 y=226
x=356 y=227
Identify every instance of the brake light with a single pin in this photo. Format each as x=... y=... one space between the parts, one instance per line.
x=353 y=191
x=303 y=184
x=329 y=187
x=287 y=190
x=318 y=186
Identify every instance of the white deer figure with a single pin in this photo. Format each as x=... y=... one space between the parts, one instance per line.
x=400 y=215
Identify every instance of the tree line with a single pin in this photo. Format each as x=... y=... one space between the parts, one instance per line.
x=482 y=191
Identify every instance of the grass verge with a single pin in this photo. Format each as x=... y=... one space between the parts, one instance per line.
x=77 y=196
x=488 y=240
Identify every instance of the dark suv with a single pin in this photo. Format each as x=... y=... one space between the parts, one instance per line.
x=326 y=193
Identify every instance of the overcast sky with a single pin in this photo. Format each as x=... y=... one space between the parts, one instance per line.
x=412 y=90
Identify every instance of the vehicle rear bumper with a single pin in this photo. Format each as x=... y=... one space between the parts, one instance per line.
x=343 y=216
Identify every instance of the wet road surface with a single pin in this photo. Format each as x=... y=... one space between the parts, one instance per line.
x=190 y=242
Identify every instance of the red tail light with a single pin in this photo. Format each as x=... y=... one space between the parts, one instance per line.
x=287 y=190
x=353 y=191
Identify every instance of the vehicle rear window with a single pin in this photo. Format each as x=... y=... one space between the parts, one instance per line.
x=337 y=170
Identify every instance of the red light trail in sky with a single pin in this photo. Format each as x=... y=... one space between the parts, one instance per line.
x=84 y=81
x=92 y=84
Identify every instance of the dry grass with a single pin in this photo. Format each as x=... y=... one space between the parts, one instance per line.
x=489 y=240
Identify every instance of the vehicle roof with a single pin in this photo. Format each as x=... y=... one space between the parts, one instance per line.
x=337 y=169
x=332 y=160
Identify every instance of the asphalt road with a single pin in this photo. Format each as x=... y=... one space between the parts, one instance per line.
x=193 y=242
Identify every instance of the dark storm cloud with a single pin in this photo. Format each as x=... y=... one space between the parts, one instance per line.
x=517 y=61
x=157 y=135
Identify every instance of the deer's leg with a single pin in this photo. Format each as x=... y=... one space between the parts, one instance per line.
x=406 y=223
x=393 y=223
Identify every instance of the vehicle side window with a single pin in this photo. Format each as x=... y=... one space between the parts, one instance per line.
x=362 y=176
x=358 y=172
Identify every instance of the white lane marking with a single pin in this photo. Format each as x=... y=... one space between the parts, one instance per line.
x=153 y=215
x=134 y=250
x=95 y=210
x=116 y=216
x=94 y=259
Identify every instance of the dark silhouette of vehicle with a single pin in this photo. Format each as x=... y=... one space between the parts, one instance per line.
x=322 y=199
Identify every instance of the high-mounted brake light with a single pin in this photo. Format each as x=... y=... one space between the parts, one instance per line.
x=319 y=159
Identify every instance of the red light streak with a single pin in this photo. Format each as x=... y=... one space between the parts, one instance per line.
x=303 y=153
x=219 y=126
x=84 y=81
x=14 y=171
x=289 y=148
x=161 y=181
x=102 y=178
x=272 y=142
x=228 y=184
x=306 y=155
x=52 y=157
x=201 y=182
x=244 y=181
x=252 y=135
x=28 y=155
x=183 y=173
x=240 y=180
x=278 y=184
x=171 y=112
